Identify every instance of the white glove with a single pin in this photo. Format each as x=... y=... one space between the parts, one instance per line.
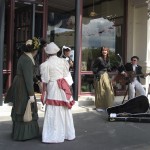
x=32 y=100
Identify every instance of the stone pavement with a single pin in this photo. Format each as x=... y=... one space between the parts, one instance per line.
x=93 y=132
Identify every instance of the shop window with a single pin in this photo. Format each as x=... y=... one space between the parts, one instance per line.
x=61 y=29
x=104 y=28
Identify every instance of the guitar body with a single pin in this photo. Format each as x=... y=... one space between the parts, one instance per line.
x=120 y=78
x=131 y=75
x=125 y=80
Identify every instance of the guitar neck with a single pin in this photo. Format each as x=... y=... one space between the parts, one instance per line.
x=138 y=75
x=135 y=75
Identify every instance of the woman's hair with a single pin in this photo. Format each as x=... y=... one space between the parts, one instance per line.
x=101 y=54
x=31 y=45
x=43 y=43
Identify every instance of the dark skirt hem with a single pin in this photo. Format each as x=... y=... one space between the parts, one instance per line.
x=25 y=130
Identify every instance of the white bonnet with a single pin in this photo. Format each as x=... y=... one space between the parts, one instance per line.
x=51 y=48
x=65 y=47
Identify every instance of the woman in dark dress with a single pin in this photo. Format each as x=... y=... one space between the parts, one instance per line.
x=66 y=51
x=104 y=94
x=22 y=91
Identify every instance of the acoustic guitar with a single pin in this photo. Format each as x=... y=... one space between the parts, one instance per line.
x=130 y=76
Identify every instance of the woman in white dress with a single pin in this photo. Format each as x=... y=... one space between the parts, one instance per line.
x=58 y=121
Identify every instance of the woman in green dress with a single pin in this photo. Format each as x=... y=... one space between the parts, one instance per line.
x=22 y=91
x=104 y=94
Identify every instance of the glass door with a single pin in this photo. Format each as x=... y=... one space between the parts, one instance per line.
x=61 y=26
x=29 y=22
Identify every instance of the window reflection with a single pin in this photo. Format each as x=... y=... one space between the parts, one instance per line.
x=104 y=29
x=61 y=28
x=98 y=32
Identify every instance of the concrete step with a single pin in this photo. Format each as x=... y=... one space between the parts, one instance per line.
x=86 y=101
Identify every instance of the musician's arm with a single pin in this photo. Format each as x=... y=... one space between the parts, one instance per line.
x=142 y=74
x=122 y=70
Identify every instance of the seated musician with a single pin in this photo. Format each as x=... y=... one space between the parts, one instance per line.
x=132 y=71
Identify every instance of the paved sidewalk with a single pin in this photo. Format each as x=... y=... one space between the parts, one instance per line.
x=93 y=132
x=5 y=110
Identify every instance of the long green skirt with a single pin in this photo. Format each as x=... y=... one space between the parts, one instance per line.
x=104 y=93
x=21 y=130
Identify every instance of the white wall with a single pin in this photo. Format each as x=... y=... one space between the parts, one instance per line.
x=130 y=23
x=140 y=33
x=137 y=32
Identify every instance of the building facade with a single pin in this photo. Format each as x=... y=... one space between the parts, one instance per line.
x=83 y=25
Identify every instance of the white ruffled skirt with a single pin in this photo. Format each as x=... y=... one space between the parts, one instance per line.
x=58 y=125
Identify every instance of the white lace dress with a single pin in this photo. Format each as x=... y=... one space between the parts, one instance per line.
x=58 y=121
